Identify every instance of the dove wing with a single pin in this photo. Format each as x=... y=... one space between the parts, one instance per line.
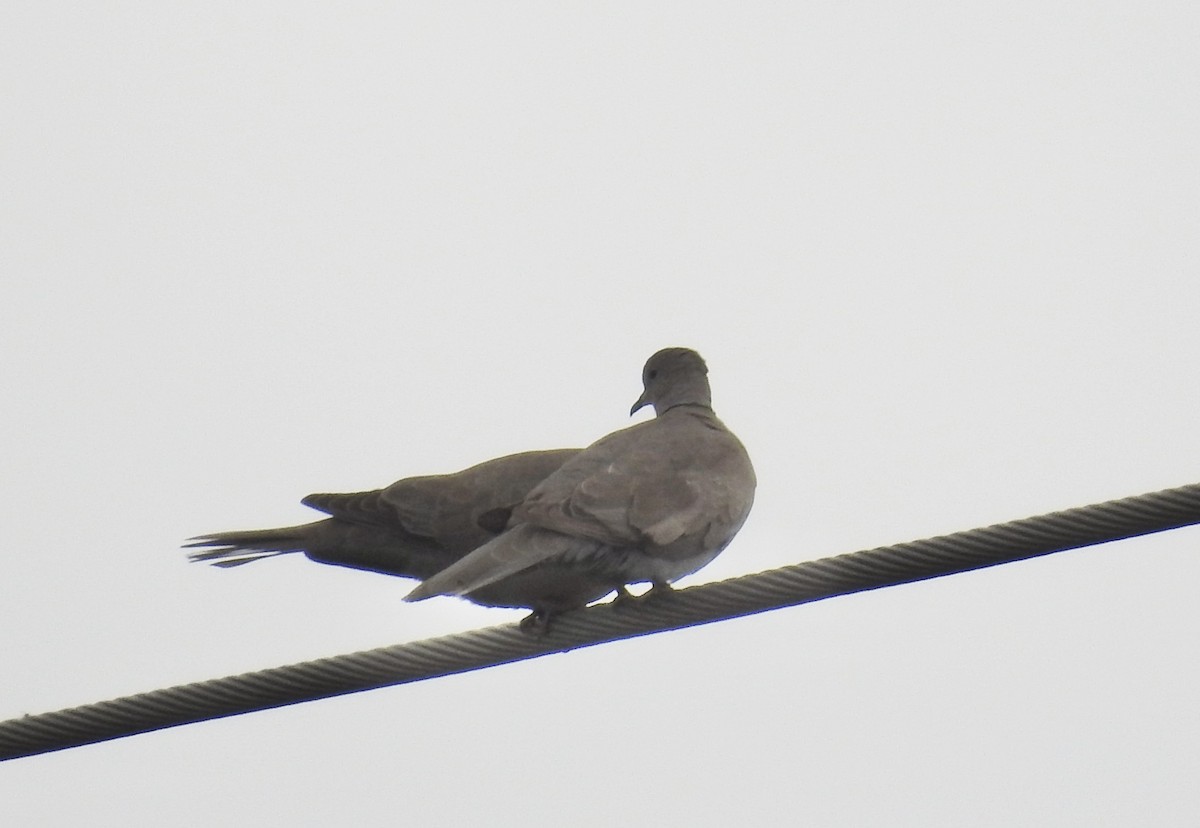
x=458 y=511
x=645 y=486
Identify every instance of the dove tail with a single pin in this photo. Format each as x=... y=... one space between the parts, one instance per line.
x=226 y=549
x=521 y=547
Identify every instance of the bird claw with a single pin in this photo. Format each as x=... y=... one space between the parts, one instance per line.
x=536 y=623
x=625 y=598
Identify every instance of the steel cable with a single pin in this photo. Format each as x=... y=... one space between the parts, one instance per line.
x=749 y=594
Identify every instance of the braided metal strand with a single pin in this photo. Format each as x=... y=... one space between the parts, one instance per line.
x=787 y=586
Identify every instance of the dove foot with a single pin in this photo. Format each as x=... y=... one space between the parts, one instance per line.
x=536 y=623
x=624 y=596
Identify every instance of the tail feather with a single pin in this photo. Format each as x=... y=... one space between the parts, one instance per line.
x=226 y=549
x=520 y=548
x=226 y=563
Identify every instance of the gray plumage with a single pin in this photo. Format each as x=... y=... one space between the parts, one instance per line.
x=650 y=503
x=414 y=528
x=551 y=530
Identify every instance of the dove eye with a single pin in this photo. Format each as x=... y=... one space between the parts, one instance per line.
x=652 y=375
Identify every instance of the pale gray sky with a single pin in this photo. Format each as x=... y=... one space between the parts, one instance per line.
x=944 y=264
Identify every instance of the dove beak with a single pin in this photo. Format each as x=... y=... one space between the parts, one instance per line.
x=641 y=403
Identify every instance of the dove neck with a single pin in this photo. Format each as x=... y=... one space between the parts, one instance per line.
x=686 y=390
x=683 y=407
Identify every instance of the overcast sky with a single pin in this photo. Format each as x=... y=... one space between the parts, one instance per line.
x=944 y=264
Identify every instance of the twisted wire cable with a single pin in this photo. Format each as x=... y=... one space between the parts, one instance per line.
x=746 y=595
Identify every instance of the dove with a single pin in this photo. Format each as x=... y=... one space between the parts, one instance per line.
x=412 y=528
x=647 y=504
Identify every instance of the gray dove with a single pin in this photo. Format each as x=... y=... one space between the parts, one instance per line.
x=413 y=528
x=650 y=503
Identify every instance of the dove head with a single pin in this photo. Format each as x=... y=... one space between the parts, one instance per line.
x=674 y=376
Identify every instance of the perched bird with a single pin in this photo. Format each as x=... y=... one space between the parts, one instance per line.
x=553 y=530
x=413 y=528
x=650 y=503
